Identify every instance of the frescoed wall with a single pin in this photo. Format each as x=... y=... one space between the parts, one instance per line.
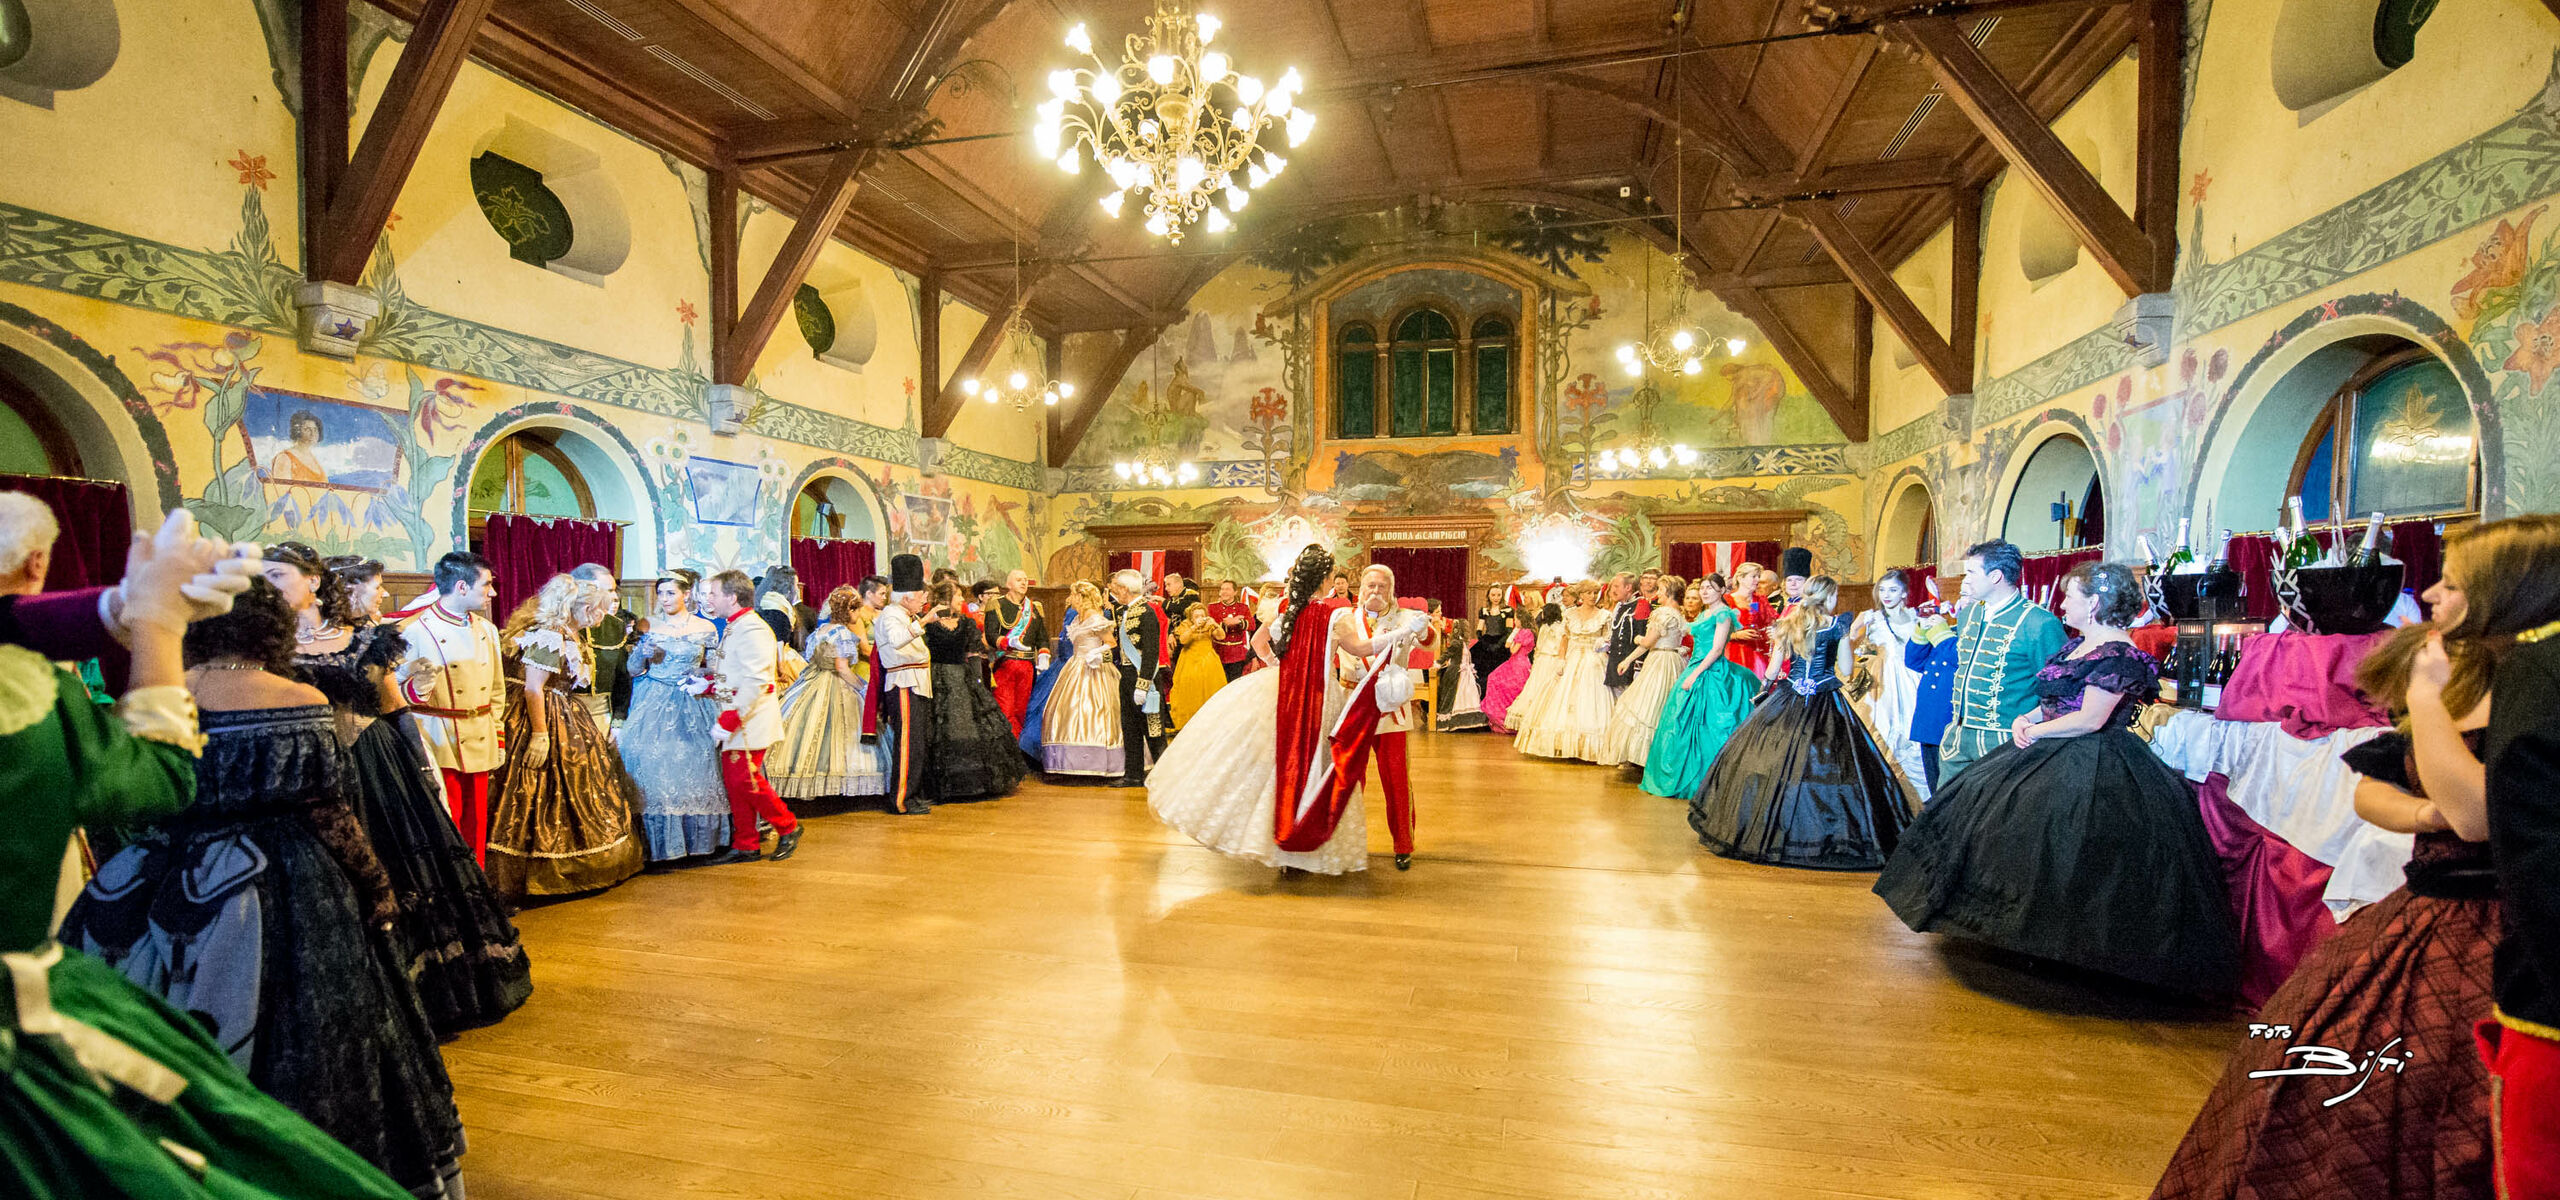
x=148 y=291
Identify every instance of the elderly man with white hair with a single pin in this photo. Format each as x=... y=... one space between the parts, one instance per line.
x=1375 y=691
x=87 y=623
x=1140 y=631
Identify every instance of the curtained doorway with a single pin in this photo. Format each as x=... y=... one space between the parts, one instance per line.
x=1428 y=573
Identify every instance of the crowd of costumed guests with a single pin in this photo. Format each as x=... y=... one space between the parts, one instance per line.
x=268 y=861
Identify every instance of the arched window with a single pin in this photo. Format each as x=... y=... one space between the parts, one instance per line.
x=2397 y=438
x=1355 y=389
x=1424 y=385
x=527 y=474
x=2061 y=476
x=1492 y=391
x=31 y=441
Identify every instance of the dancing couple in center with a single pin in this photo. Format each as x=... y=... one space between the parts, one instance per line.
x=1341 y=694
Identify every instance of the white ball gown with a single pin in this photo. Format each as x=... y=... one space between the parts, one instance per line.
x=1214 y=781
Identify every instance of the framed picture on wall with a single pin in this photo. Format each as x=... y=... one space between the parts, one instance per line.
x=928 y=522
x=301 y=440
x=724 y=493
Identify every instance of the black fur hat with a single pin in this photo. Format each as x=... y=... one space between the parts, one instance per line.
x=906 y=573
x=1796 y=561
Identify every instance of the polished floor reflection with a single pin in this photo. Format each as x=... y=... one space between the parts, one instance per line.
x=1054 y=996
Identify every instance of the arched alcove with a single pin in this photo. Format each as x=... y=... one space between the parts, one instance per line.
x=2046 y=246
x=833 y=504
x=2059 y=468
x=609 y=480
x=2256 y=436
x=2324 y=50
x=93 y=432
x=1908 y=536
x=599 y=237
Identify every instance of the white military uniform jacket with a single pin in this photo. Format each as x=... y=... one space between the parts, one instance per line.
x=744 y=683
x=1349 y=668
x=457 y=705
x=905 y=661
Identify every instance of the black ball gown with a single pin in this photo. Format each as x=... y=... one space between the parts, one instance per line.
x=464 y=953
x=2083 y=850
x=974 y=756
x=1801 y=783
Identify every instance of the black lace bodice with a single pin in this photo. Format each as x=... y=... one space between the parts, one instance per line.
x=2117 y=667
x=1811 y=670
x=952 y=647
x=345 y=676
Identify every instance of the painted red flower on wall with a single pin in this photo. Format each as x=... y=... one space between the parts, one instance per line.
x=1586 y=393
x=686 y=313
x=1269 y=407
x=2537 y=349
x=253 y=169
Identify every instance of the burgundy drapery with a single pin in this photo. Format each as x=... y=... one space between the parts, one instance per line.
x=1763 y=553
x=2040 y=574
x=825 y=564
x=97 y=526
x=1428 y=573
x=2419 y=545
x=1685 y=559
x=2274 y=891
x=525 y=552
x=1919 y=579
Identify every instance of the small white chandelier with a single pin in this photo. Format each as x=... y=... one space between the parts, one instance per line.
x=1156 y=470
x=1027 y=380
x=1677 y=344
x=1646 y=456
x=1172 y=119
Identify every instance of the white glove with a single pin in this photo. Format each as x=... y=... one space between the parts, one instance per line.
x=537 y=751
x=1041 y=663
x=173 y=576
x=420 y=670
x=697 y=685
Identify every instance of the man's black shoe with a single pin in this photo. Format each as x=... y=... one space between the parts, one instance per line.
x=731 y=855
x=785 y=844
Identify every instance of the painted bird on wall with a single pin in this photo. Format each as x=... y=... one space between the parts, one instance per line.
x=1757 y=389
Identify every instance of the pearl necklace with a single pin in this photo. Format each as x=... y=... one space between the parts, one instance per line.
x=322 y=634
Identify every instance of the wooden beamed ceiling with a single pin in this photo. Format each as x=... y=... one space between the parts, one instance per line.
x=1575 y=104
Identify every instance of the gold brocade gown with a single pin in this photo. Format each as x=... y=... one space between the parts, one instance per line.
x=1197 y=675
x=1080 y=730
x=571 y=824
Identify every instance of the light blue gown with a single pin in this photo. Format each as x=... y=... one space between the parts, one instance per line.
x=666 y=745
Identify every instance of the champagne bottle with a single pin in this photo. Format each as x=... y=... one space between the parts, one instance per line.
x=2221 y=554
x=2150 y=557
x=2215 y=673
x=2304 y=549
x=2180 y=557
x=2169 y=668
x=2365 y=552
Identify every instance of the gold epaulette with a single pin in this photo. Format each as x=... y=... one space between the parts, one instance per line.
x=2531 y=636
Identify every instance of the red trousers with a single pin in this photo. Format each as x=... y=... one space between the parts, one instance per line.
x=1012 y=684
x=2524 y=1104
x=751 y=795
x=466 y=794
x=1351 y=764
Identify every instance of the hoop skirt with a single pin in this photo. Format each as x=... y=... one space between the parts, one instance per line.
x=1214 y=783
x=571 y=824
x=1801 y=784
x=1569 y=717
x=2083 y=850
x=2415 y=967
x=1700 y=717
x=1502 y=688
x=974 y=757
x=259 y=910
x=1080 y=716
x=1639 y=710
x=464 y=953
x=666 y=746
x=821 y=752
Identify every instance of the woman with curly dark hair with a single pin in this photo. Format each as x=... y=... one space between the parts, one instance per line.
x=292 y=955
x=463 y=951
x=1216 y=782
x=2074 y=842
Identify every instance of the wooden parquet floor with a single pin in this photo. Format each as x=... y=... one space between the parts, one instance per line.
x=1054 y=996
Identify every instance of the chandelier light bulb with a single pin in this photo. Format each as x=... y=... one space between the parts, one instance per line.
x=1301 y=123
x=1692 y=367
x=1062 y=84
x=1277 y=164
x=1070 y=162
x=1236 y=198
x=1017 y=381
x=1066 y=391
x=969 y=387
x=1160 y=68
x=991 y=395
x=1634 y=368
x=1241 y=118
x=1682 y=339
x=1682 y=452
x=1078 y=40
x=1111 y=203
x=1187 y=172
x=1626 y=352
x=1119 y=469
x=1658 y=458
x=1249 y=90
x=1209 y=26
x=1049 y=398
x=1218 y=222
x=1255 y=176
x=1290 y=83
x=1149 y=130
x=1213 y=66
x=1044 y=139
x=1188 y=473
x=1735 y=346
x=1106 y=88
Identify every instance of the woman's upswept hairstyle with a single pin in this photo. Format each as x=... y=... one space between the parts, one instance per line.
x=2117 y=595
x=328 y=588
x=1794 y=631
x=1307 y=577
x=842 y=603
x=258 y=628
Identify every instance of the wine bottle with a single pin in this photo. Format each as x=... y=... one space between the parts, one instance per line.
x=2182 y=556
x=2214 y=675
x=2169 y=668
x=2365 y=551
x=2303 y=549
x=2221 y=554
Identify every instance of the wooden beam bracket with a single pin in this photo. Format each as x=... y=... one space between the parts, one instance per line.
x=1876 y=283
x=1067 y=432
x=809 y=234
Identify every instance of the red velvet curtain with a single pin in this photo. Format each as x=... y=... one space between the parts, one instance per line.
x=825 y=564
x=1920 y=578
x=1685 y=559
x=2419 y=545
x=1763 y=553
x=2041 y=572
x=1428 y=573
x=97 y=526
x=525 y=552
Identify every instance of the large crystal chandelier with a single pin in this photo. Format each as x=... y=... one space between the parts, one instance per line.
x=1026 y=380
x=1172 y=119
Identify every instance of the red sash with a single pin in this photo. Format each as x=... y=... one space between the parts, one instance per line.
x=1303 y=670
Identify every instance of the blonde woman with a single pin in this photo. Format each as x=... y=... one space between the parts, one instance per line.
x=1569 y=718
x=564 y=818
x=822 y=752
x=1657 y=662
x=1802 y=783
x=1080 y=727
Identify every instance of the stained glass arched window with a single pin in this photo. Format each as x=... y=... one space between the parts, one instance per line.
x=1424 y=377
x=1355 y=389
x=1492 y=392
x=2399 y=439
